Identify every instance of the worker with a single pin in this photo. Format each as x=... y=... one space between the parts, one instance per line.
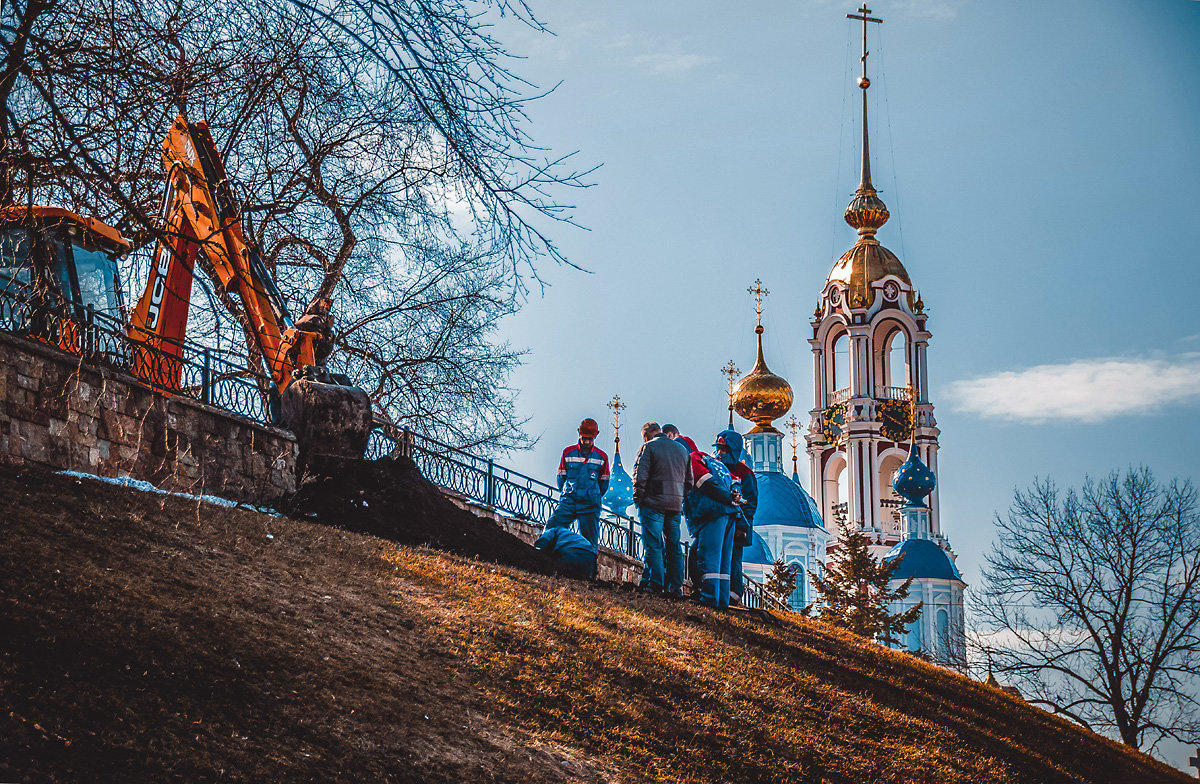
x=729 y=448
x=582 y=482
x=661 y=474
x=710 y=513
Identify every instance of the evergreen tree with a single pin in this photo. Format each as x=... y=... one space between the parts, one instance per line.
x=854 y=593
x=781 y=582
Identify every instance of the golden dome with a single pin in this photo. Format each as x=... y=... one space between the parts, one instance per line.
x=862 y=265
x=761 y=396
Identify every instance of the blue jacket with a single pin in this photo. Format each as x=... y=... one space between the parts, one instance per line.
x=710 y=496
x=583 y=479
x=574 y=555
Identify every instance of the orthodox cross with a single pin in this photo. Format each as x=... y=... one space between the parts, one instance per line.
x=864 y=83
x=731 y=371
x=617 y=407
x=793 y=423
x=865 y=17
x=759 y=292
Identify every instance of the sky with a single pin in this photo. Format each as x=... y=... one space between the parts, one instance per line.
x=1039 y=163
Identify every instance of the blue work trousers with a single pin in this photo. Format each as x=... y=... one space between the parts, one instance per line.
x=714 y=553
x=589 y=521
x=664 y=559
x=736 y=581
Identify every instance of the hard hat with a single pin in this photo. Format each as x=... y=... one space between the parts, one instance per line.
x=588 y=427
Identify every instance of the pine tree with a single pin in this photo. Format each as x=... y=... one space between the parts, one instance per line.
x=854 y=592
x=781 y=582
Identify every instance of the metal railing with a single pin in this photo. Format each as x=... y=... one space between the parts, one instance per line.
x=204 y=374
x=485 y=482
x=216 y=378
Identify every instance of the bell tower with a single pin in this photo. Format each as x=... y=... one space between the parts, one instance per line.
x=871 y=388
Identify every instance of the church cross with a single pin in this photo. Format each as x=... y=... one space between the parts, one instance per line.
x=732 y=371
x=865 y=17
x=759 y=292
x=793 y=423
x=617 y=407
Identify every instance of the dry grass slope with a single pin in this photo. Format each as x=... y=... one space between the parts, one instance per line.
x=147 y=638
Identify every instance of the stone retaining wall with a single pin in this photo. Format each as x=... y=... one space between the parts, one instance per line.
x=62 y=413
x=611 y=565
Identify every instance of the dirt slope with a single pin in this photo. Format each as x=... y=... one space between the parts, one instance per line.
x=149 y=638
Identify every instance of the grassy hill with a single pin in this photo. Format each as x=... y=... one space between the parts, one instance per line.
x=152 y=638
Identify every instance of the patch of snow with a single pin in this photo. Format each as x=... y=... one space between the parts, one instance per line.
x=145 y=487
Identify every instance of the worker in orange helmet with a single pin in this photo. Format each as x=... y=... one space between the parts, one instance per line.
x=582 y=481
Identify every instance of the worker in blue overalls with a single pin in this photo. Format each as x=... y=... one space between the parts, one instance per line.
x=582 y=481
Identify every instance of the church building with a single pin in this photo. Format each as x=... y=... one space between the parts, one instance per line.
x=872 y=439
x=872 y=415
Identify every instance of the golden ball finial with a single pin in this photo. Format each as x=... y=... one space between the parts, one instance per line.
x=864 y=82
x=761 y=396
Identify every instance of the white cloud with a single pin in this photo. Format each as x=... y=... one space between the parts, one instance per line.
x=656 y=55
x=1086 y=390
x=671 y=63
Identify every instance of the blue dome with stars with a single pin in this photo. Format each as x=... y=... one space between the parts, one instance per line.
x=620 y=488
x=913 y=480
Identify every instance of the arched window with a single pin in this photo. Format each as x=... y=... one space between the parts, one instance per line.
x=896 y=356
x=943 y=635
x=914 y=635
x=889 y=512
x=841 y=362
x=837 y=491
x=797 y=600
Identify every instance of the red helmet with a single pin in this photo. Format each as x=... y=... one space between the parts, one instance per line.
x=589 y=428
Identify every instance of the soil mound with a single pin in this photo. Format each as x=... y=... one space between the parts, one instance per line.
x=389 y=498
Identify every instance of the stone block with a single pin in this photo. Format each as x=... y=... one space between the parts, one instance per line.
x=35 y=444
x=28 y=382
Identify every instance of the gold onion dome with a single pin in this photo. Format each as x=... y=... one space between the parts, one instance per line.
x=761 y=396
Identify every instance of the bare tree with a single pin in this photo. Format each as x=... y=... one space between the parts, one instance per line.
x=1091 y=604
x=378 y=150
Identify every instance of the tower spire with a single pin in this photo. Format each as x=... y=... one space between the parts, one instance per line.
x=731 y=370
x=617 y=407
x=866 y=211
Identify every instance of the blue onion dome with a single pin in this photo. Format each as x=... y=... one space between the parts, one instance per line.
x=922 y=560
x=620 y=488
x=913 y=480
x=758 y=552
x=784 y=502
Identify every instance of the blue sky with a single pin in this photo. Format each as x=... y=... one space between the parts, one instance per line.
x=1039 y=163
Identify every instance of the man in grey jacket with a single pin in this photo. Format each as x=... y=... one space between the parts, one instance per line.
x=662 y=470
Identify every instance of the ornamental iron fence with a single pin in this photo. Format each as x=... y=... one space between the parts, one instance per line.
x=186 y=369
x=216 y=378
x=485 y=482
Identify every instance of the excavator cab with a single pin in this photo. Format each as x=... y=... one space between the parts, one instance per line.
x=55 y=267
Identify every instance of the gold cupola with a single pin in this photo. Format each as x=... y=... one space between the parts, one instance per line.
x=868 y=261
x=761 y=396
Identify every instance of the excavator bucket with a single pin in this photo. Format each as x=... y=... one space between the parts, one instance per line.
x=332 y=422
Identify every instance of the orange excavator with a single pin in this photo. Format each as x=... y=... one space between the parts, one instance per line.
x=70 y=262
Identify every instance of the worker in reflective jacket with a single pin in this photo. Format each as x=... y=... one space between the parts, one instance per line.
x=583 y=481
x=729 y=449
